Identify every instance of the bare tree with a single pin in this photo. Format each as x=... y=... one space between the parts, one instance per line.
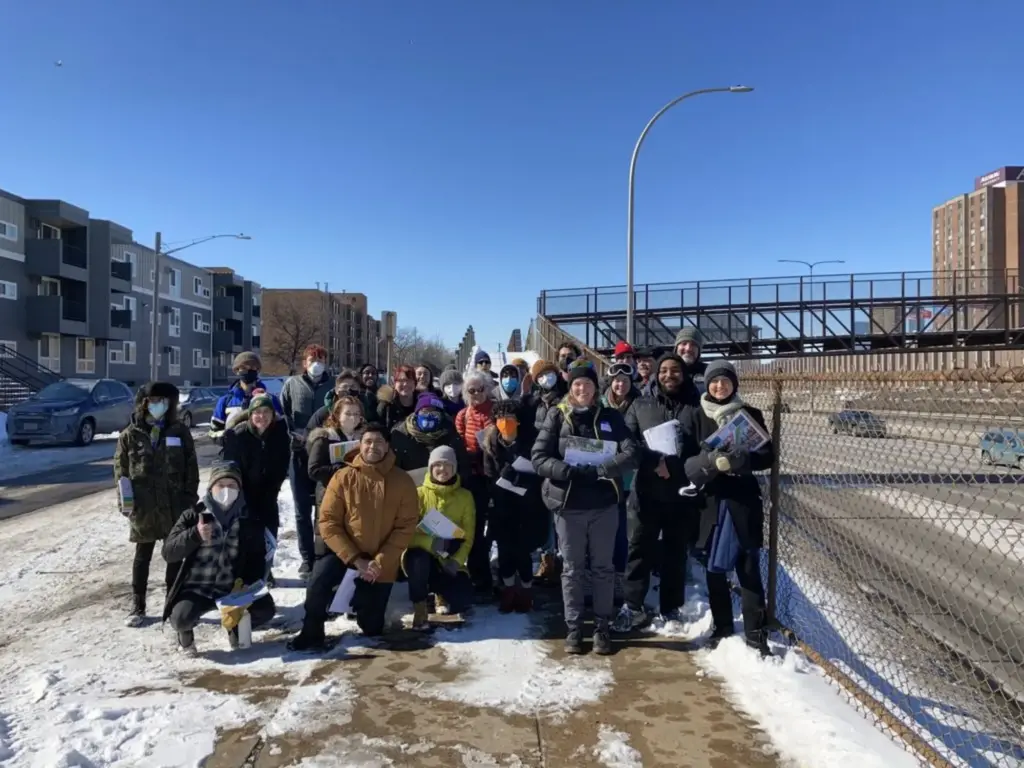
x=289 y=326
x=409 y=348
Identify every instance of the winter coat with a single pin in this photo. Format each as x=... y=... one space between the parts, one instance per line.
x=389 y=409
x=263 y=461
x=452 y=407
x=499 y=457
x=623 y=408
x=301 y=397
x=454 y=502
x=237 y=399
x=646 y=412
x=412 y=448
x=370 y=510
x=741 y=492
x=183 y=542
x=318 y=447
x=560 y=491
x=165 y=477
x=471 y=420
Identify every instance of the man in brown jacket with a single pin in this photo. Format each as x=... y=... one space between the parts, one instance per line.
x=368 y=517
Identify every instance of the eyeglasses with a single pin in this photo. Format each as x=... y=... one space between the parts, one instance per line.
x=622 y=369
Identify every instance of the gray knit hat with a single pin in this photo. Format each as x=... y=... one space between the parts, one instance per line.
x=248 y=360
x=223 y=470
x=690 y=333
x=443 y=453
x=722 y=367
x=450 y=377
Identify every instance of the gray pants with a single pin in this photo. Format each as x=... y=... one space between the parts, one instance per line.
x=583 y=533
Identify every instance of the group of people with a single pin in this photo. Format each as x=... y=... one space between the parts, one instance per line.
x=421 y=477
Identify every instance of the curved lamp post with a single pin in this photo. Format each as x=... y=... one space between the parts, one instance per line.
x=630 y=297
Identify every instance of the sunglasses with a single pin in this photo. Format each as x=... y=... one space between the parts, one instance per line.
x=474 y=391
x=622 y=369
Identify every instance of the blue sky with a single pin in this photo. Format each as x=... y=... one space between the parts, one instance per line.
x=450 y=158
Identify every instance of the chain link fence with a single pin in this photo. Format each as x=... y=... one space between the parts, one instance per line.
x=896 y=555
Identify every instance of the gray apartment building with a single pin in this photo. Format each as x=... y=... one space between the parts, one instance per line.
x=76 y=296
x=238 y=319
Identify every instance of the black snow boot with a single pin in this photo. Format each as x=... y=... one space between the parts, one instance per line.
x=603 y=639
x=136 y=612
x=574 y=641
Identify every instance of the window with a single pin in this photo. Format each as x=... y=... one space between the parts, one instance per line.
x=49 y=351
x=174 y=361
x=174 y=283
x=8 y=290
x=197 y=287
x=125 y=353
x=198 y=361
x=85 y=355
x=174 y=322
x=197 y=322
x=8 y=348
x=8 y=231
x=130 y=302
x=132 y=259
x=47 y=232
x=49 y=286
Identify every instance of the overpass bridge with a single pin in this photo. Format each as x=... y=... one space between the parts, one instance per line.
x=801 y=316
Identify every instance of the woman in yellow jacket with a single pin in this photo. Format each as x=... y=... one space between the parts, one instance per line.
x=433 y=563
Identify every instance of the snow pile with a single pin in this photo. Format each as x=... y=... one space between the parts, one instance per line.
x=613 y=749
x=500 y=359
x=504 y=667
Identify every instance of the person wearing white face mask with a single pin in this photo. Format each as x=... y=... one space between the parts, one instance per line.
x=157 y=475
x=216 y=547
x=451 y=388
x=301 y=397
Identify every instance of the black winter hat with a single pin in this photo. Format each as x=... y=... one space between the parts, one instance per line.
x=224 y=470
x=505 y=409
x=670 y=356
x=582 y=372
x=161 y=389
x=722 y=367
x=481 y=357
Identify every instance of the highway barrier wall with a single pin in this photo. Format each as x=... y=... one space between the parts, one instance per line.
x=895 y=548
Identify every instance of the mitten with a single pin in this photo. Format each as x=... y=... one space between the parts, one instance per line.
x=739 y=461
x=438 y=547
x=584 y=473
x=450 y=567
x=702 y=468
x=230 y=616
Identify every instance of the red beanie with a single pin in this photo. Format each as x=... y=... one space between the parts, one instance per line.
x=623 y=348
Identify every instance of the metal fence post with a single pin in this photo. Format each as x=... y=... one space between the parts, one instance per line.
x=773 y=508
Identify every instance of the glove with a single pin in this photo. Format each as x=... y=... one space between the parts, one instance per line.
x=702 y=468
x=438 y=546
x=509 y=475
x=230 y=617
x=585 y=473
x=604 y=470
x=450 y=567
x=739 y=461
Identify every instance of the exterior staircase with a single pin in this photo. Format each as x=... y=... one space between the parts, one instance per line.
x=21 y=377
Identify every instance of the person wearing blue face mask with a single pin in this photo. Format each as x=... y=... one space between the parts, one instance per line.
x=247 y=366
x=157 y=476
x=509 y=384
x=428 y=427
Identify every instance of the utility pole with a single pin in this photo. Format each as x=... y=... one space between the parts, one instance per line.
x=154 y=364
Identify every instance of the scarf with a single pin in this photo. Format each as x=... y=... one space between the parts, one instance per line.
x=433 y=439
x=225 y=517
x=720 y=413
x=155 y=428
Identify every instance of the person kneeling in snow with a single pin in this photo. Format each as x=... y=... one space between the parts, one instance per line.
x=218 y=546
x=731 y=509
x=367 y=519
x=435 y=564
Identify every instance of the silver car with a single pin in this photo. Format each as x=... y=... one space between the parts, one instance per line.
x=71 y=411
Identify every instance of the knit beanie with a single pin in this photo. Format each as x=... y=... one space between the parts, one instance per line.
x=670 y=356
x=690 y=333
x=246 y=360
x=225 y=470
x=450 y=377
x=443 y=453
x=427 y=401
x=481 y=357
x=541 y=367
x=582 y=372
x=722 y=367
x=261 y=401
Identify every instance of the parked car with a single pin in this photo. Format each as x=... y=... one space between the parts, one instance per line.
x=1003 y=446
x=274 y=384
x=195 y=406
x=857 y=423
x=71 y=411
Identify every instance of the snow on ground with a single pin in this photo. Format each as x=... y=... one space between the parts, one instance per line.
x=18 y=460
x=78 y=688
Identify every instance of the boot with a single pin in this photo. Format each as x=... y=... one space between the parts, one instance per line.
x=602 y=639
x=441 y=607
x=524 y=600
x=509 y=600
x=550 y=569
x=137 y=612
x=187 y=643
x=419 y=617
x=574 y=641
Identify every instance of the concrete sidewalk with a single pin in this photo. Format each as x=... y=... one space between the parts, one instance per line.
x=672 y=714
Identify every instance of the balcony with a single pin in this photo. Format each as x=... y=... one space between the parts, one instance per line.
x=227 y=308
x=55 y=258
x=257 y=310
x=56 y=314
x=120 y=276
x=120 y=324
x=226 y=341
x=255 y=343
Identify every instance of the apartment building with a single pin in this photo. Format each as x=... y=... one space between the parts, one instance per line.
x=76 y=295
x=297 y=317
x=238 y=320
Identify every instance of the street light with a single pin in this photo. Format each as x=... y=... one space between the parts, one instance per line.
x=630 y=298
x=810 y=268
x=154 y=364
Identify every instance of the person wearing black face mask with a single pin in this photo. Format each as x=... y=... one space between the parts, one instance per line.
x=247 y=366
x=567 y=355
x=427 y=428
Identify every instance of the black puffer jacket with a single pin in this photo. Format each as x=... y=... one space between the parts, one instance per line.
x=412 y=448
x=389 y=409
x=563 y=490
x=658 y=407
x=263 y=461
x=181 y=545
x=320 y=467
x=742 y=492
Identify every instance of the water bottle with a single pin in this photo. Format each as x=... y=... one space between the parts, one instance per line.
x=245 y=631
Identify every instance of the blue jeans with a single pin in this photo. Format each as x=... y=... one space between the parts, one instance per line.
x=621 y=541
x=302 y=495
